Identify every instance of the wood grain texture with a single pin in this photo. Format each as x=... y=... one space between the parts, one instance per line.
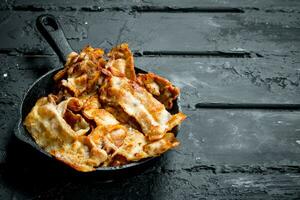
x=229 y=80
x=202 y=80
x=41 y=179
x=253 y=31
x=214 y=32
x=155 y=183
x=277 y=5
x=237 y=137
x=266 y=137
x=236 y=62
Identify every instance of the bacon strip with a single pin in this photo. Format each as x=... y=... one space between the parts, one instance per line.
x=123 y=117
x=83 y=155
x=160 y=146
x=82 y=71
x=118 y=140
x=152 y=116
x=160 y=88
x=121 y=62
x=62 y=133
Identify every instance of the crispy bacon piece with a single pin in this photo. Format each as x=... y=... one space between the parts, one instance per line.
x=152 y=116
x=123 y=117
x=100 y=116
x=89 y=101
x=160 y=146
x=117 y=160
x=121 y=62
x=82 y=155
x=118 y=140
x=160 y=88
x=47 y=120
x=82 y=71
x=61 y=133
x=124 y=144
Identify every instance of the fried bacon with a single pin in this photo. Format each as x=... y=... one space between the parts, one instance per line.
x=118 y=140
x=102 y=115
x=83 y=155
x=90 y=101
x=82 y=71
x=160 y=88
x=160 y=146
x=121 y=62
x=123 y=117
x=60 y=132
x=152 y=116
x=48 y=120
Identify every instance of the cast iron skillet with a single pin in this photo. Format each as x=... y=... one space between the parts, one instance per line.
x=52 y=32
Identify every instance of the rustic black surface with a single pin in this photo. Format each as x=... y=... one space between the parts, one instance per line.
x=236 y=62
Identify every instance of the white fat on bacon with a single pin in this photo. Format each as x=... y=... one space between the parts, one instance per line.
x=62 y=133
x=152 y=116
x=119 y=140
x=121 y=62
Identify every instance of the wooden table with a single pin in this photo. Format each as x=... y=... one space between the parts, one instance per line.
x=237 y=64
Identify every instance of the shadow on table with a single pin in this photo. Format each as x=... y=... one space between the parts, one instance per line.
x=29 y=174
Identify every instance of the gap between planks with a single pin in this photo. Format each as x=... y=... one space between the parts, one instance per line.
x=142 y=9
x=249 y=169
x=250 y=106
x=130 y=9
x=229 y=54
x=218 y=54
x=169 y=9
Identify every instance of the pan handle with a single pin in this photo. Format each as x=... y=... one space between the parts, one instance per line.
x=51 y=30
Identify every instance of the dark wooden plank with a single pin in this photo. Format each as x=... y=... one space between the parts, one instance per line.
x=4 y=5
x=254 y=31
x=210 y=135
x=182 y=185
x=155 y=183
x=229 y=80
x=19 y=31
x=251 y=32
x=238 y=137
x=268 y=5
x=202 y=80
x=77 y=4
x=167 y=178
x=177 y=174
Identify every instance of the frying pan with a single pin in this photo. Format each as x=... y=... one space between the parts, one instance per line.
x=52 y=32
